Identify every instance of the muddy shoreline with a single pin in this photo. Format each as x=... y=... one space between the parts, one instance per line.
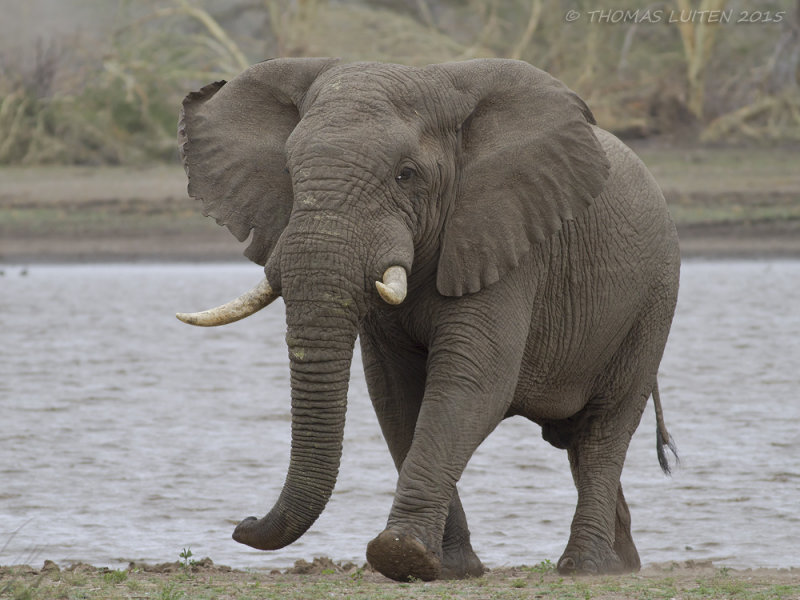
x=324 y=578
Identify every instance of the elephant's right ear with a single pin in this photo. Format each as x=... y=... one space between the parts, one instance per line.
x=231 y=138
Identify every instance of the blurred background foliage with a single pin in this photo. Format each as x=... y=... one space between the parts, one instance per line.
x=104 y=86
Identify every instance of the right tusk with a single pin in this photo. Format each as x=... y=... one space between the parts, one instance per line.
x=394 y=287
x=243 y=306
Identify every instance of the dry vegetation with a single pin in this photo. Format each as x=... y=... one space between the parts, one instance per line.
x=75 y=103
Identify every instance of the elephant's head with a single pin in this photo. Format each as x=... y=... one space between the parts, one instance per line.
x=352 y=174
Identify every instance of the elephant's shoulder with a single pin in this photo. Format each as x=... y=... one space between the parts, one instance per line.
x=629 y=178
x=619 y=154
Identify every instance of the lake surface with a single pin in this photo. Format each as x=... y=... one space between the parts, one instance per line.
x=127 y=435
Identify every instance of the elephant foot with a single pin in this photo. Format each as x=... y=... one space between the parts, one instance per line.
x=628 y=554
x=402 y=557
x=460 y=563
x=591 y=561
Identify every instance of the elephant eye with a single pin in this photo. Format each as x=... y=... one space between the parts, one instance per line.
x=405 y=174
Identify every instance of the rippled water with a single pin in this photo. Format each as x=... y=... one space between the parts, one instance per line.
x=126 y=435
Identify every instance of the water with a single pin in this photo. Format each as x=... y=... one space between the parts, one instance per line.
x=127 y=435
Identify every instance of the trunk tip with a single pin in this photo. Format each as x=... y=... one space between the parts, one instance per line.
x=246 y=532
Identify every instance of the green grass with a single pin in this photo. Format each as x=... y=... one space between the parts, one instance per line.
x=524 y=582
x=114 y=577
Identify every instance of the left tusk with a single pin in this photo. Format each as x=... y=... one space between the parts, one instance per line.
x=394 y=286
x=239 y=308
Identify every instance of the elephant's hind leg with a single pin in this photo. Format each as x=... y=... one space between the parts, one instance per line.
x=562 y=435
x=600 y=539
x=622 y=557
x=624 y=547
x=458 y=558
x=596 y=456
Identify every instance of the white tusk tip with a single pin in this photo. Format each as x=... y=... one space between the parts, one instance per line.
x=239 y=308
x=389 y=294
x=394 y=286
x=187 y=318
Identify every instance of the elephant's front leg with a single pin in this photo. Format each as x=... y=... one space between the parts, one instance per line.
x=470 y=382
x=396 y=380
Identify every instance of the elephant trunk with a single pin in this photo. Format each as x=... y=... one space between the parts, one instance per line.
x=322 y=318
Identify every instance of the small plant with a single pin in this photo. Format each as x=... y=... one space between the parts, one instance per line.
x=357 y=575
x=519 y=583
x=542 y=569
x=20 y=591
x=328 y=571
x=546 y=566
x=584 y=590
x=186 y=556
x=170 y=591
x=114 y=577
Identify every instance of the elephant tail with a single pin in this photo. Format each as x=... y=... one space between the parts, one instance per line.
x=663 y=438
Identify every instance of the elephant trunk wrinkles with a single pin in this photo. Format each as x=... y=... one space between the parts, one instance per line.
x=322 y=324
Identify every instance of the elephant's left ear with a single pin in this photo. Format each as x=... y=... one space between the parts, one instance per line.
x=529 y=161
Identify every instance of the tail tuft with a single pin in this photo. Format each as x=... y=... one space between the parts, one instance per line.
x=661 y=446
x=663 y=438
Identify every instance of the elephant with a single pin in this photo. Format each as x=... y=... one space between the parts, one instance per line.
x=495 y=252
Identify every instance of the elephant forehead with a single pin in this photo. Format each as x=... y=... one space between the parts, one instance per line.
x=360 y=127
x=370 y=145
x=373 y=89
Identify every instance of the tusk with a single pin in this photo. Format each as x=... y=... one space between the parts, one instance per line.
x=243 y=306
x=393 y=288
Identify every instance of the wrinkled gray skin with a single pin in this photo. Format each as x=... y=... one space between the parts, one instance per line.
x=542 y=279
